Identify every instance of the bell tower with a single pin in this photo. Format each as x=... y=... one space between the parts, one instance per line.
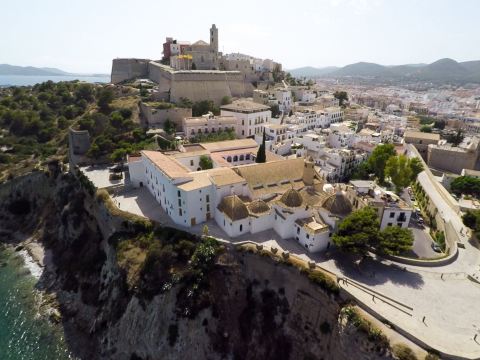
x=214 y=38
x=308 y=171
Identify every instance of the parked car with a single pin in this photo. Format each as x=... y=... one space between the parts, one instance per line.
x=436 y=247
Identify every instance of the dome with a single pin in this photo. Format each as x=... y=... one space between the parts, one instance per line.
x=291 y=198
x=258 y=207
x=338 y=204
x=233 y=207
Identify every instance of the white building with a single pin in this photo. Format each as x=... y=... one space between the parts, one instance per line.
x=341 y=136
x=207 y=124
x=251 y=117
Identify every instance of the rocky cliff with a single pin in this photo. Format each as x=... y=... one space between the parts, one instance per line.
x=114 y=306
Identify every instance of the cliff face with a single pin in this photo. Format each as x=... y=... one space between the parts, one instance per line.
x=257 y=308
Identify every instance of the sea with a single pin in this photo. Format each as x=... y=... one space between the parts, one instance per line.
x=26 y=80
x=24 y=333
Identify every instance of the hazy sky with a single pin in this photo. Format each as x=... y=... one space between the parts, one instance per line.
x=85 y=35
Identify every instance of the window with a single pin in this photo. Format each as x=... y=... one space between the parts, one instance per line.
x=191 y=162
x=241 y=227
x=179 y=202
x=389 y=224
x=229 y=159
x=399 y=224
x=208 y=207
x=298 y=230
x=308 y=236
x=392 y=214
x=178 y=193
x=235 y=158
x=208 y=198
x=180 y=212
x=247 y=157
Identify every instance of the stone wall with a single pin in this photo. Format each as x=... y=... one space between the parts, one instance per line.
x=194 y=85
x=155 y=118
x=125 y=69
x=451 y=159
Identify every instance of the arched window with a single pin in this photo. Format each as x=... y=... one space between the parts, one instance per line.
x=241 y=158
x=229 y=159
x=235 y=158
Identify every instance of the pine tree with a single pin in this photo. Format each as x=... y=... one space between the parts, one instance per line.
x=261 y=155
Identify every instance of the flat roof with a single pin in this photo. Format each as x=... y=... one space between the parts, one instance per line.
x=229 y=145
x=421 y=135
x=245 y=106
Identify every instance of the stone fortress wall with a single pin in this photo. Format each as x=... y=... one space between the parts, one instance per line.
x=125 y=69
x=194 y=85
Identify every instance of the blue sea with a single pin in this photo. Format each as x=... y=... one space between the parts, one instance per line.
x=25 y=80
x=24 y=333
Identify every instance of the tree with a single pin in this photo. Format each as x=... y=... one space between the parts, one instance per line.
x=470 y=219
x=118 y=155
x=104 y=97
x=203 y=107
x=261 y=154
x=205 y=230
x=275 y=109
x=342 y=96
x=399 y=171
x=226 y=100
x=426 y=129
x=362 y=171
x=416 y=167
x=439 y=124
x=467 y=185
x=358 y=231
x=379 y=158
x=205 y=162
x=456 y=138
x=395 y=240
x=169 y=127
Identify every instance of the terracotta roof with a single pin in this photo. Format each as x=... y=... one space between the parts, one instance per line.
x=269 y=173
x=200 y=42
x=291 y=198
x=258 y=207
x=338 y=204
x=233 y=207
x=224 y=176
x=167 y=165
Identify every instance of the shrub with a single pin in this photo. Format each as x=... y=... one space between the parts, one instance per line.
x=403 y=352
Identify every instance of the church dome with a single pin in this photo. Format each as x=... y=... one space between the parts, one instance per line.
x=338 y=204
x=291 y=198
x=258 y=207
x=233 y=207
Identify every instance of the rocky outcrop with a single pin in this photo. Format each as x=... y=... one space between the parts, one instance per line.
x=257 y=307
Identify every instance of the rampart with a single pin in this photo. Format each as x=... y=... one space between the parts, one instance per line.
x=154 y=117
x=194 y=85
x=125 y=69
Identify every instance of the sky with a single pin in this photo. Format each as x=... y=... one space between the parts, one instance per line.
x=84 y=36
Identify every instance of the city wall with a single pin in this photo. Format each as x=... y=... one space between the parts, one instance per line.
x=124 y=69
x=451 y=159
x=194 y=85
x=155 y=118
